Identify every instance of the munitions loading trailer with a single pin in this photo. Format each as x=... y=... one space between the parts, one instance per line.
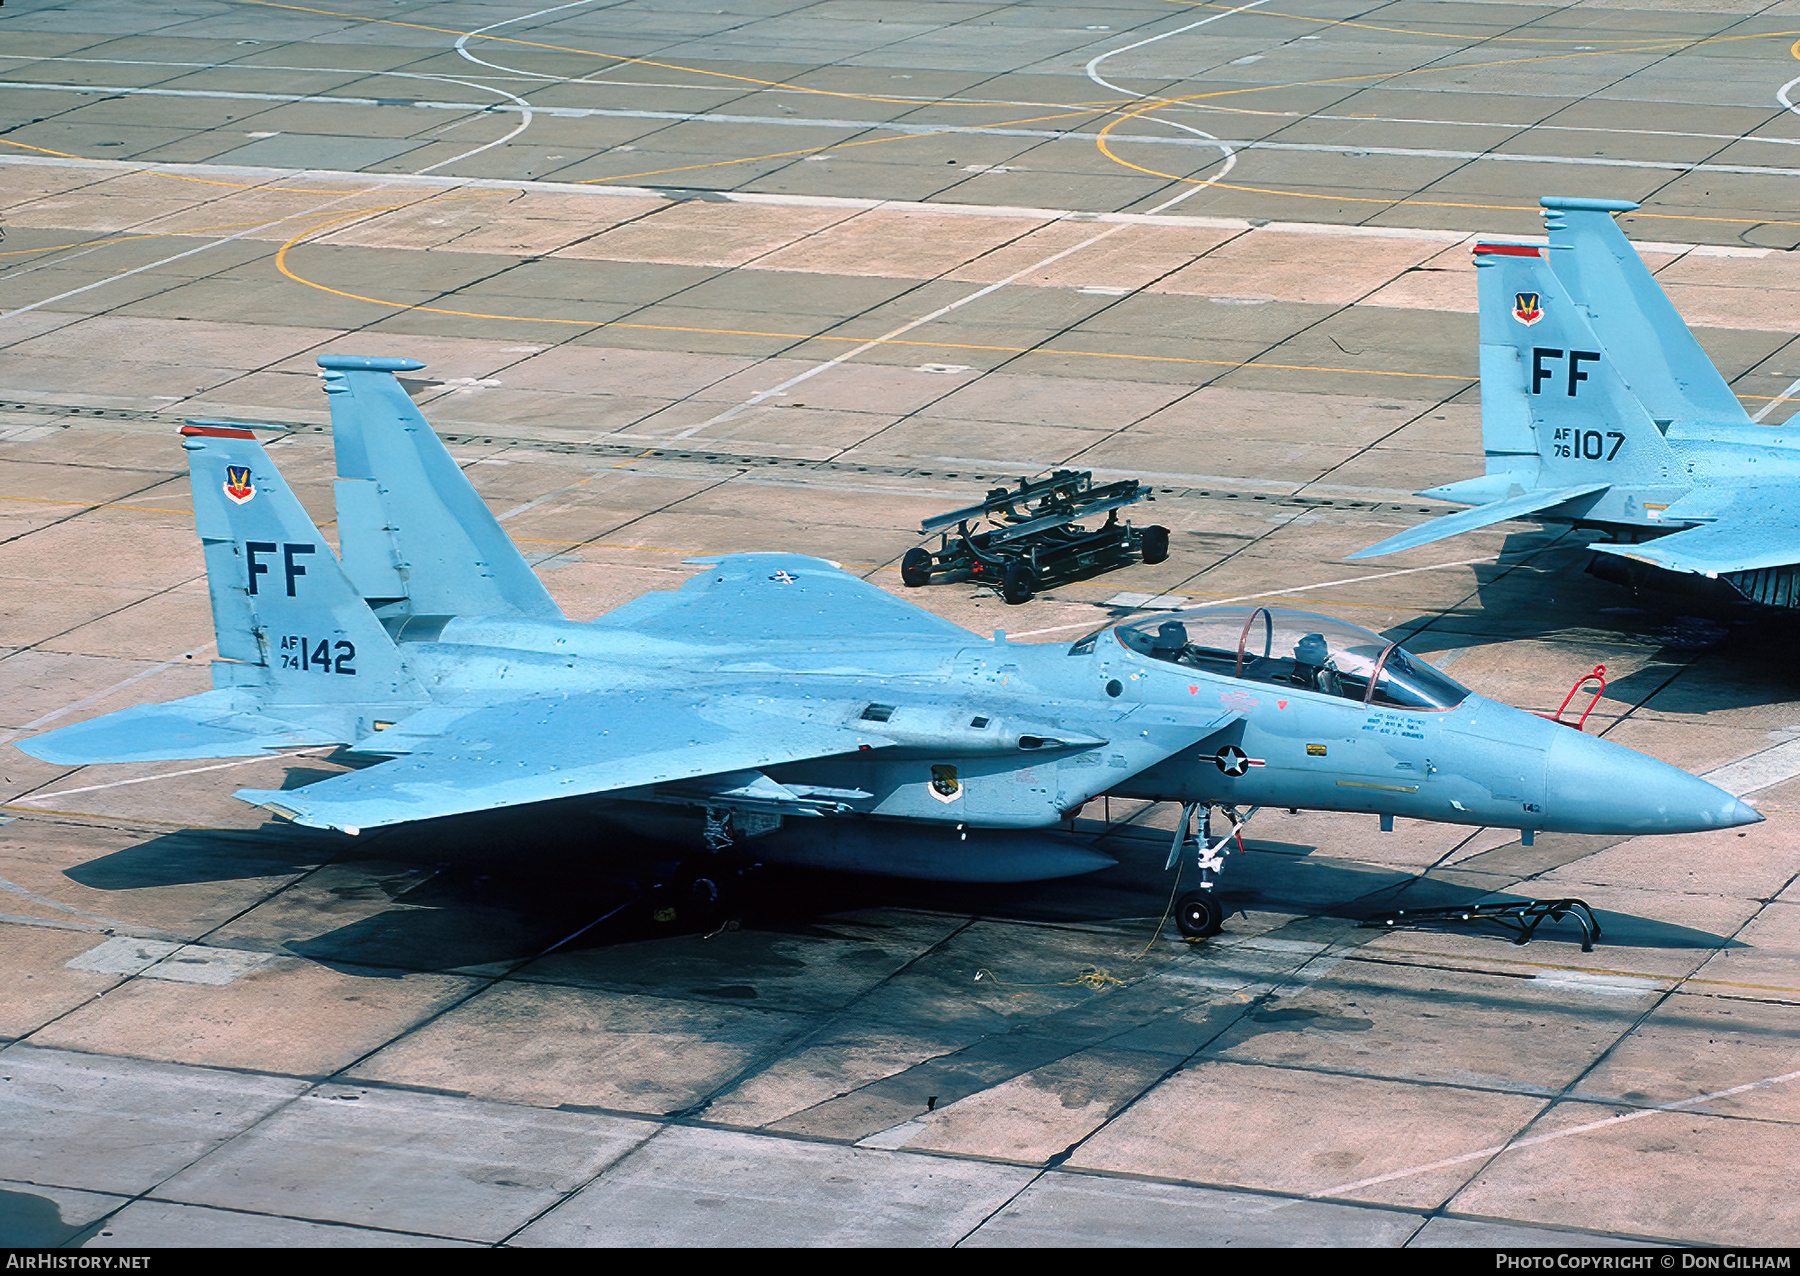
x=1019 y=540
x=1520 y=917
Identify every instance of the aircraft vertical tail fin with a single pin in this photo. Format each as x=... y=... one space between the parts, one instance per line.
x=1574 y=399
x=304 y=660
x=1652 y=347
x=282 y=605
x=414 y=534
x=1555 y=408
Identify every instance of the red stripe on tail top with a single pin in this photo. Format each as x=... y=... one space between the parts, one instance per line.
x=215 y=432
x=1509 y=250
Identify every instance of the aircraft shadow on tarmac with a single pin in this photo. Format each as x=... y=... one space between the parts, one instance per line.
x=1550 y=596
x=497 y=888
x=29 y=1221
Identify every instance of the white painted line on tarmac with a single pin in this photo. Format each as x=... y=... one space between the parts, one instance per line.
x=1680 y=1105
x=462 y=41
x=147 y=779
x=97 y=918
x=926 y=130
x=206 y=247
x=780 y=391
x=1785 y=396
x=1758 y=771
x=1190 y=190
x=1010 y=212
x=524 y=109
x=83 y=703
x=1092 y=69
x=900 y=98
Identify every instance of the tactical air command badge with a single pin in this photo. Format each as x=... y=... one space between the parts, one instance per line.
x=237 y=483
x=1526 y=308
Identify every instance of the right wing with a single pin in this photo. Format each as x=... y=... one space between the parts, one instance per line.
x=543 y=748
x=1757 y=527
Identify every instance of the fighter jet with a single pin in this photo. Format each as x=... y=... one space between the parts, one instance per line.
x=1600 y=410
x=778 y=707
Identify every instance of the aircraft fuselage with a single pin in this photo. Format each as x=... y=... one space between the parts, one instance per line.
x=997 y=734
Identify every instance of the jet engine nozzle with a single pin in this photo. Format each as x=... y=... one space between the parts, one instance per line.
x=1595 y=786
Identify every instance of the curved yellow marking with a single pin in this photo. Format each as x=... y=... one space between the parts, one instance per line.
x=263 y=221
x=281 y=264
x=618 y=59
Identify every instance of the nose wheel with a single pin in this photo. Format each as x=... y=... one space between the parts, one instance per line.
x=1198 y=914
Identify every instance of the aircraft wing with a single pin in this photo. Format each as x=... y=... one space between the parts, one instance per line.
x=1481 y=516
x=1758 y=528
x=758 y=598
x=542 y=748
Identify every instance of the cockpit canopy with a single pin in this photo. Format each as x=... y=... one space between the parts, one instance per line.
x=1291 y=649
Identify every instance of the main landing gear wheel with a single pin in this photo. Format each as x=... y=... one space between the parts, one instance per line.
x=1155 y=544
x=915 y=567
x=1198 y=915
x=1018 y=585
x=695 y=895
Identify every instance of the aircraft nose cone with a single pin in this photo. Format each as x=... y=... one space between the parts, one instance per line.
x=1596 y=786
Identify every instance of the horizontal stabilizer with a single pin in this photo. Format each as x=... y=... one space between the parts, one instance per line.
x=223 y=723
x=540 y=749
x=1481 y=516
x=1484 y=489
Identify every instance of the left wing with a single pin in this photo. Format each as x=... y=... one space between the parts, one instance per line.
x=763 y=598
x=543 y=748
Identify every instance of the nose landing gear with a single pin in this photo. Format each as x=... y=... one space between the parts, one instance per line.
x=1198 y=913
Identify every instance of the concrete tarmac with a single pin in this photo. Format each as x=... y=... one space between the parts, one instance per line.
x=794 y=276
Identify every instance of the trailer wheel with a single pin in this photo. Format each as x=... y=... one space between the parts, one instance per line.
x=1155 y=544
x=1018 y=585
x=915 y=567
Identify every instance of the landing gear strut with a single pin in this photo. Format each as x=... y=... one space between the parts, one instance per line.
x=1198 y=913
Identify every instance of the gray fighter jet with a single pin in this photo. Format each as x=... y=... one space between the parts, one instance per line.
x=1600 y=410
x=778 y=707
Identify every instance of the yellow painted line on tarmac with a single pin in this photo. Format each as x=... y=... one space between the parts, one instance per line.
x=1143 y=110
x=203 y=181
x=123 y=819
x=281 y=264
x=100 y=505
x=618 y=59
